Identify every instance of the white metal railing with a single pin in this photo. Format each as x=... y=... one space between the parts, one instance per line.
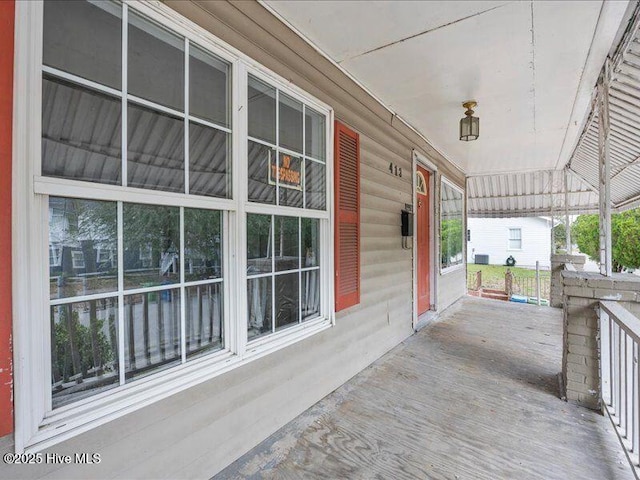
x=620 y=376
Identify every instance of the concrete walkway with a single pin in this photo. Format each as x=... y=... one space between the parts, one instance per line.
x=474 y=396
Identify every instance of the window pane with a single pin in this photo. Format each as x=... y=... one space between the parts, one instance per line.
x=451 y=232
x=151 y=332
x=310 y=294
x=287 y=254
x=83 y=250
x=155 y=157
x=84 y=39
x=151 y=245
x=289 y=178
x=314 y=136
x=290 y=123
x=315 y=185
x=310 y=242
x=258 y=244
x=202 y=244
x=287 y=308
x=208 y=87
x=84 y=349
x=259 y=307
x=155 y=63
x=204 y=319
x=81 y=133
x=262 y=110
x=261 y=188
x=209 y=161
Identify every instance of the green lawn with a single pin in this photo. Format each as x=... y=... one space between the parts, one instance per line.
x=524 y=278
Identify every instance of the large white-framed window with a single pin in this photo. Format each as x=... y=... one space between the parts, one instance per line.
x=452 y=237
x=286 y=208
x=145 y=176
x=515 y=239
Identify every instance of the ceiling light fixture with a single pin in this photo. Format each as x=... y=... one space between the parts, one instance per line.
x=469 y=125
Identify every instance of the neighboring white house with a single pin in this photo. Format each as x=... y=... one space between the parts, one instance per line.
x=526 y=239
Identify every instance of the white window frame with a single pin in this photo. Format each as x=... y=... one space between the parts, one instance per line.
x=509 y=239
x=104 y=255
x=77 y=259
x=37 y=426
x=443 y=271
x=55 y=253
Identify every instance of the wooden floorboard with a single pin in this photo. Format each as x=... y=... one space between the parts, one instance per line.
x=473 y=396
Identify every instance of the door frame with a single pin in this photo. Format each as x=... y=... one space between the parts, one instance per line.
x=418 y=158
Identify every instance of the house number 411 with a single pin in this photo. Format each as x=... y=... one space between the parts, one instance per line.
x=395 y=170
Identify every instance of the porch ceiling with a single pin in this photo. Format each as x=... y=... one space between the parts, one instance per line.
x=532 y=67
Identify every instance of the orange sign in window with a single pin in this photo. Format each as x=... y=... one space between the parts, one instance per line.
x=288 y=172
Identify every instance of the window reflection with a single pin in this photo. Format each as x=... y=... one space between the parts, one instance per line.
x=287 y=307
x=202 y=244
x=287 y=254
x=84 y=349
x=155 y=154
x=85 y=39
x=88 y=147
x=152 y=332
x=82 y=247
x=209 y=161
x=315 y=128
x=259 y=310
x=155 y=63
x=451 y=228
x=290 y=123
x=204 y=315
x=151 y=245
x=260 y=160
x=208 y=87
x=262 y=110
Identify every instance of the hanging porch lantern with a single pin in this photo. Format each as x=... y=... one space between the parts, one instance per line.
x=469 y=125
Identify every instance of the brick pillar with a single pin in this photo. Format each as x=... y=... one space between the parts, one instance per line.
x=557 y=266
x=582 y=292
x=7 y=20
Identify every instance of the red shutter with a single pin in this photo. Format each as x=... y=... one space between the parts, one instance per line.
x=7 y=26
x=347 y=231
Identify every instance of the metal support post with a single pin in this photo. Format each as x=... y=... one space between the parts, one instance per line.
x=604 y=158
x=567 y=223
x=551 y=206
x=538 y=282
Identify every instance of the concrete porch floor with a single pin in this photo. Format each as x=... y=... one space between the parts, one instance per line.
x=473 y=396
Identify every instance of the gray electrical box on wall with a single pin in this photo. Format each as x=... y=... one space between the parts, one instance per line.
x=406 y=224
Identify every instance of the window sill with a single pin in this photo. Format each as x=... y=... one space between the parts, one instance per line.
x=444 y=271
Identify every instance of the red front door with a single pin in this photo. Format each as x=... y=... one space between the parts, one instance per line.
x=422 y=200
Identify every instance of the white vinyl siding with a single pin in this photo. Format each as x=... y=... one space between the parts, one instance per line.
x=490 y=236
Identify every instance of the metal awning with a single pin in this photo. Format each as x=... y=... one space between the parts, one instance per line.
x=529 y=194
x=624 y=115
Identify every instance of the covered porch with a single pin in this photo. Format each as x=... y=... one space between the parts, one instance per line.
x=472 y=396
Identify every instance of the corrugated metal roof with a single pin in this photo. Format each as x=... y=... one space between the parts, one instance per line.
x=541 y=193
x=624 y=117
x=528 y=194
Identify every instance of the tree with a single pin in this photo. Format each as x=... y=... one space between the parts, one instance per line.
x=451 y=240
x=560 y=236
x=625 y=238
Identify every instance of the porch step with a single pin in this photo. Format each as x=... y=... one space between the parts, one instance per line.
x=489 y=293
x=493 y=291
x=495 y=296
